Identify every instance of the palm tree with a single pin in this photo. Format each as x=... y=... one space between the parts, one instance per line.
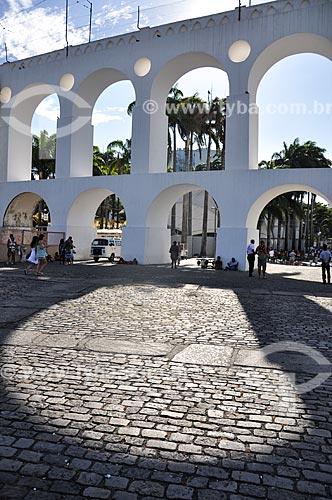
x=43 y=156
x=296 y=155
x=174 y=98
x=191 y=120
x=214 y=128
x=120 y=151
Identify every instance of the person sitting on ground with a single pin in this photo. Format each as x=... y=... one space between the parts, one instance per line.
x=218 y=264
x=123 y=261
x=232 y=265
x=292 y=256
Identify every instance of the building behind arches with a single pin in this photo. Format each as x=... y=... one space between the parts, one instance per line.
x=244 y=49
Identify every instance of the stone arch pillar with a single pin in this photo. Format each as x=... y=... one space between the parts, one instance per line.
x=16 y=131
x=149 y=130
x=75 y=144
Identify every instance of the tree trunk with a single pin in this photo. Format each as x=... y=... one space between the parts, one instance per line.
x=206 y=200
x=293 y=227
x=312 y=208
x=268 y=230
x=279 y=234
x=287 y=233
x=185 y=202
x=173 y=215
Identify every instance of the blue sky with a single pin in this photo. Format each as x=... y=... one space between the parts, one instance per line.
x=28 y=26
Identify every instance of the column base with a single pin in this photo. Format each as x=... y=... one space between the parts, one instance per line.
x=233 y=242
x=149 y=245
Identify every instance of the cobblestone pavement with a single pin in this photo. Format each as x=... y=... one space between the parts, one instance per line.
x=143 y=382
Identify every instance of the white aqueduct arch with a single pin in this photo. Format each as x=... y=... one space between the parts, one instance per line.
x=19 y=117
x=297 y=43
x=272 y=32
x=19 y=210
x=265 y=198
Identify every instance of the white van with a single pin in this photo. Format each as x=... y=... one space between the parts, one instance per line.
x=106 y=248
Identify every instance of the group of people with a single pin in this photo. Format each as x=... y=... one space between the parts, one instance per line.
x=66 y=251
x=37 y=256
x=175 y=255
x=263 y=255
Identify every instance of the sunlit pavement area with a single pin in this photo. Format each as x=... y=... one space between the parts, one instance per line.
x=142 y=382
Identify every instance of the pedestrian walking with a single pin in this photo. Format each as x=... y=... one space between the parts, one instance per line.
x=261 y=252
x=69 y=251
x=251 y=257
x=325 y=257
x=174 y=253
x=41 y=255
x=11 y=249
x=32 y=259
x=61 y=249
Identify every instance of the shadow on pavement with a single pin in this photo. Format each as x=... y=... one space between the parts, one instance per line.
x=94 y=403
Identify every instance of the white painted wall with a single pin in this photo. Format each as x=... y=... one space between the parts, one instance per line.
x=273 y=31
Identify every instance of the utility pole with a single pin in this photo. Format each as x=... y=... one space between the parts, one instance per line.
x=138 y=17
x=6 y=52
x=90 y=20
x=66 y=28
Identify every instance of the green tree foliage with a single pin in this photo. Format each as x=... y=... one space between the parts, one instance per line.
x=43 y=156
x=289 y=209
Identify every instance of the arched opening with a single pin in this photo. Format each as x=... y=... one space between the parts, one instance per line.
x=96 y=212
x=295 y=103
x=168 y=104
x=20 y=114
x=299 y=43
x=26 y=215
x=159 y=224
x=193 y=86
x=105 y=106
x=111 y=120
x=293 y=219
x=196 y=142
x=44 y=128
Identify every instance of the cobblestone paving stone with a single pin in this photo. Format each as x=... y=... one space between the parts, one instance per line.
x=76 y=423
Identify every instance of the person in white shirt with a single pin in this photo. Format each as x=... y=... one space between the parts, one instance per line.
x=292 y=256
x=325 y=257
x=251 y=257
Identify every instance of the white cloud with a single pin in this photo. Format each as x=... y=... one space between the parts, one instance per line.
x=100 y=117
x=36 y=31
x=117 y=109
x=49 y=108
